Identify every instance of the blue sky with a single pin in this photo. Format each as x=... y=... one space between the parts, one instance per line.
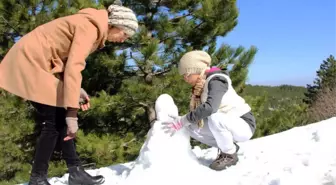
x=293 y=37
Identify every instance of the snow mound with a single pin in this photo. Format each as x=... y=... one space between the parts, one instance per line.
x=302 y=155
x=166 y=158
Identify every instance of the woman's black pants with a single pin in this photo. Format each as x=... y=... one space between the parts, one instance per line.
x=53 y=130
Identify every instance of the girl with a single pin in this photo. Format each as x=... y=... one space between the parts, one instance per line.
x=45 y=66
x=218 y=116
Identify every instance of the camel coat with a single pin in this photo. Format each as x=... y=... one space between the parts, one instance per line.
x=45 y=65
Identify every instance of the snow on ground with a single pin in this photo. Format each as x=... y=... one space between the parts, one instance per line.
x=302 y=155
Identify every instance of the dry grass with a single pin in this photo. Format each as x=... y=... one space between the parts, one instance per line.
x=325 y=105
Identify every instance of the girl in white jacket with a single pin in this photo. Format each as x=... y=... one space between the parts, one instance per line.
x=218 y=116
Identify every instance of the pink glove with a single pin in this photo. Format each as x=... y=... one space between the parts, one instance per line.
x=175 y=125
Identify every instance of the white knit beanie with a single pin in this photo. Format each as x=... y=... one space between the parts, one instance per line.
x=123 y=18
x=194 y=62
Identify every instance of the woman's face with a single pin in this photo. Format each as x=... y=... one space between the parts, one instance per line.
x=116 y=35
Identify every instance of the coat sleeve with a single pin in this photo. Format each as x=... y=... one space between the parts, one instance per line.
x=85 y=35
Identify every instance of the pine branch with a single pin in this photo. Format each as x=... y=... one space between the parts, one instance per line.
x=197 y=26
x=138 y=64
x=152 y=74
x=158 y=3
x=162 y=72
x=134 y=4
x=155 y=9
x=34 y=10
x=7 y=23
x=145 y=105
x=177 y=19
x=151 y=114
x=175 y=37
x=43 y=6
x=126 y=143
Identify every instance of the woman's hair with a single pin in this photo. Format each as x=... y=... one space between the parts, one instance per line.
x=195 y=99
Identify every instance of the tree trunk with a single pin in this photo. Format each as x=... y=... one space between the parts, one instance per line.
x=151 y=115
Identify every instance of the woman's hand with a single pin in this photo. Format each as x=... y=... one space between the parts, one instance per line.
x=84 y=100
x=72 y=129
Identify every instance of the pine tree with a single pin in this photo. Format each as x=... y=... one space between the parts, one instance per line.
x=326 y=78
x=320 y=96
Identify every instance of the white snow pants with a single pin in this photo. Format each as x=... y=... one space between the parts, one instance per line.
x=222 y=131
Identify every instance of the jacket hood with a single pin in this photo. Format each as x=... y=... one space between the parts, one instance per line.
x=99 y=18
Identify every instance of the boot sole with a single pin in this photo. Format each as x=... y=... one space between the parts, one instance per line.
x=224 y=168
x=70 y=183
x=85 y=184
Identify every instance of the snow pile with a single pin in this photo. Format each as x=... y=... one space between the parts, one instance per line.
x=302 y=155
x=168 y=159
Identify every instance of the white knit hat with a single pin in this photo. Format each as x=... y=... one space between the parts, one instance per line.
x=123 y=18
x=194 y=62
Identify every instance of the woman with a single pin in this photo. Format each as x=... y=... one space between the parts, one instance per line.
x=44 y=67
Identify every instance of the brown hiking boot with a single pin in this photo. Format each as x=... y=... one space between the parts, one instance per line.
x=224 y=160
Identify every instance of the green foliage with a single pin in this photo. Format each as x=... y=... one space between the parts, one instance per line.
x=237 y=58
x=276 y=108
x=326 y=78
x=283 y=118
x=276 y=94
x=16 y=128
x=108 y=148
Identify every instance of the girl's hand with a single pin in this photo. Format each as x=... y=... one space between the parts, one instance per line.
x=173 y=126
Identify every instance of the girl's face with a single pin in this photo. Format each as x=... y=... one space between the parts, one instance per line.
x=191 y=78
x=116 y=35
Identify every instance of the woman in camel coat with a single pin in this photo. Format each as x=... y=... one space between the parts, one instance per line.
x=45 y=67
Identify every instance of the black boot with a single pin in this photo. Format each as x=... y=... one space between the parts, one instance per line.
x=78 y=176
x=38 y=179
